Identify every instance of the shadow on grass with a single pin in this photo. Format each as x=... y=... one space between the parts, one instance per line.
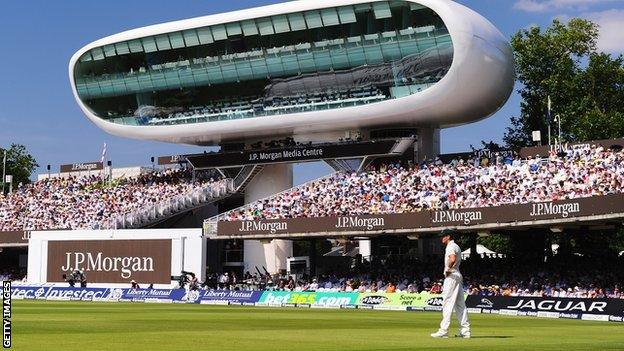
x=492 y=337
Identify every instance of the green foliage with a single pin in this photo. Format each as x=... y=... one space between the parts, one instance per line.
x=617 y=242
x=20 y=164
x=496 y=242
x=586 y=87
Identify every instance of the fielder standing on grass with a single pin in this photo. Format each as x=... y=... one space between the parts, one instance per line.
x=453 y=290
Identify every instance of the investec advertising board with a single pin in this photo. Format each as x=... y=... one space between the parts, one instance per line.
x=553 y=210
x=111 y=261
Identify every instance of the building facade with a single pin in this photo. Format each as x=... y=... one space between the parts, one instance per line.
x=301 y=67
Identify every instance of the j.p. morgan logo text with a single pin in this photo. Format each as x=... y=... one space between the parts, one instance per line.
x=359 y=222
x=285 y=154
x=271 y=227
x=84 y=166
x=451 y=216
x=97 y=262
x=549 y=208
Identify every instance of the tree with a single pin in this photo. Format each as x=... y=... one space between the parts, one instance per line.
x=19 y=163
x=498 y=243
x=586 y=87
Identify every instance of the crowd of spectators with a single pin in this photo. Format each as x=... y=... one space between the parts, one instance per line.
x=577 y=173
x=13 y=274
x=259 y=106
x=489 y=277
x=91 y=201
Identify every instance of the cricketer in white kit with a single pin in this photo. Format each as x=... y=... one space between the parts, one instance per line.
x=452 y=290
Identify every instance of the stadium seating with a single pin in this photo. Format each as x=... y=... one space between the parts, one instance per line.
x=584 y=172
x=94 y=203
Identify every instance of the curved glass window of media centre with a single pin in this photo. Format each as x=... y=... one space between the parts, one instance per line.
x=308 y=61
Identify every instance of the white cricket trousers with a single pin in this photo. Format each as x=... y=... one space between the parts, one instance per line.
x=453 y=300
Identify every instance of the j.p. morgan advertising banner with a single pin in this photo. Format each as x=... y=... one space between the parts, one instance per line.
x=14 y=237
x=82 y=167
x=554 y=210
x=590 y=309
x=111 y=261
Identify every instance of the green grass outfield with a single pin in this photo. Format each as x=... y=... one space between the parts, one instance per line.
x=46 y=325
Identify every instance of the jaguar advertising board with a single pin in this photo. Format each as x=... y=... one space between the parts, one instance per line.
x=575 y=308
x=111 y=261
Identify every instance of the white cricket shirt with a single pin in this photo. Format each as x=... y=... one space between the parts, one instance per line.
x=452 y=248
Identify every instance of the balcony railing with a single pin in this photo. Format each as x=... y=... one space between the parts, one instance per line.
x=173 y=206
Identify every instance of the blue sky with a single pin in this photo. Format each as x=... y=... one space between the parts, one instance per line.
x=38 y=38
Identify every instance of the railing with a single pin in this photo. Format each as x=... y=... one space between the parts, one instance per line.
x=210 y=224
x=158 y=211
x=269 y=110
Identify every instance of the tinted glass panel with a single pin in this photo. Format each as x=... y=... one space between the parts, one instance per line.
x=298 y=62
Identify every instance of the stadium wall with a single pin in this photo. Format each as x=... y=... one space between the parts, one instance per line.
x=116 y=257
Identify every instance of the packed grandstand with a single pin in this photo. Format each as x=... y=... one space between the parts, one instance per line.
x=591 y=170
x=577 y=173
x=93 y=202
